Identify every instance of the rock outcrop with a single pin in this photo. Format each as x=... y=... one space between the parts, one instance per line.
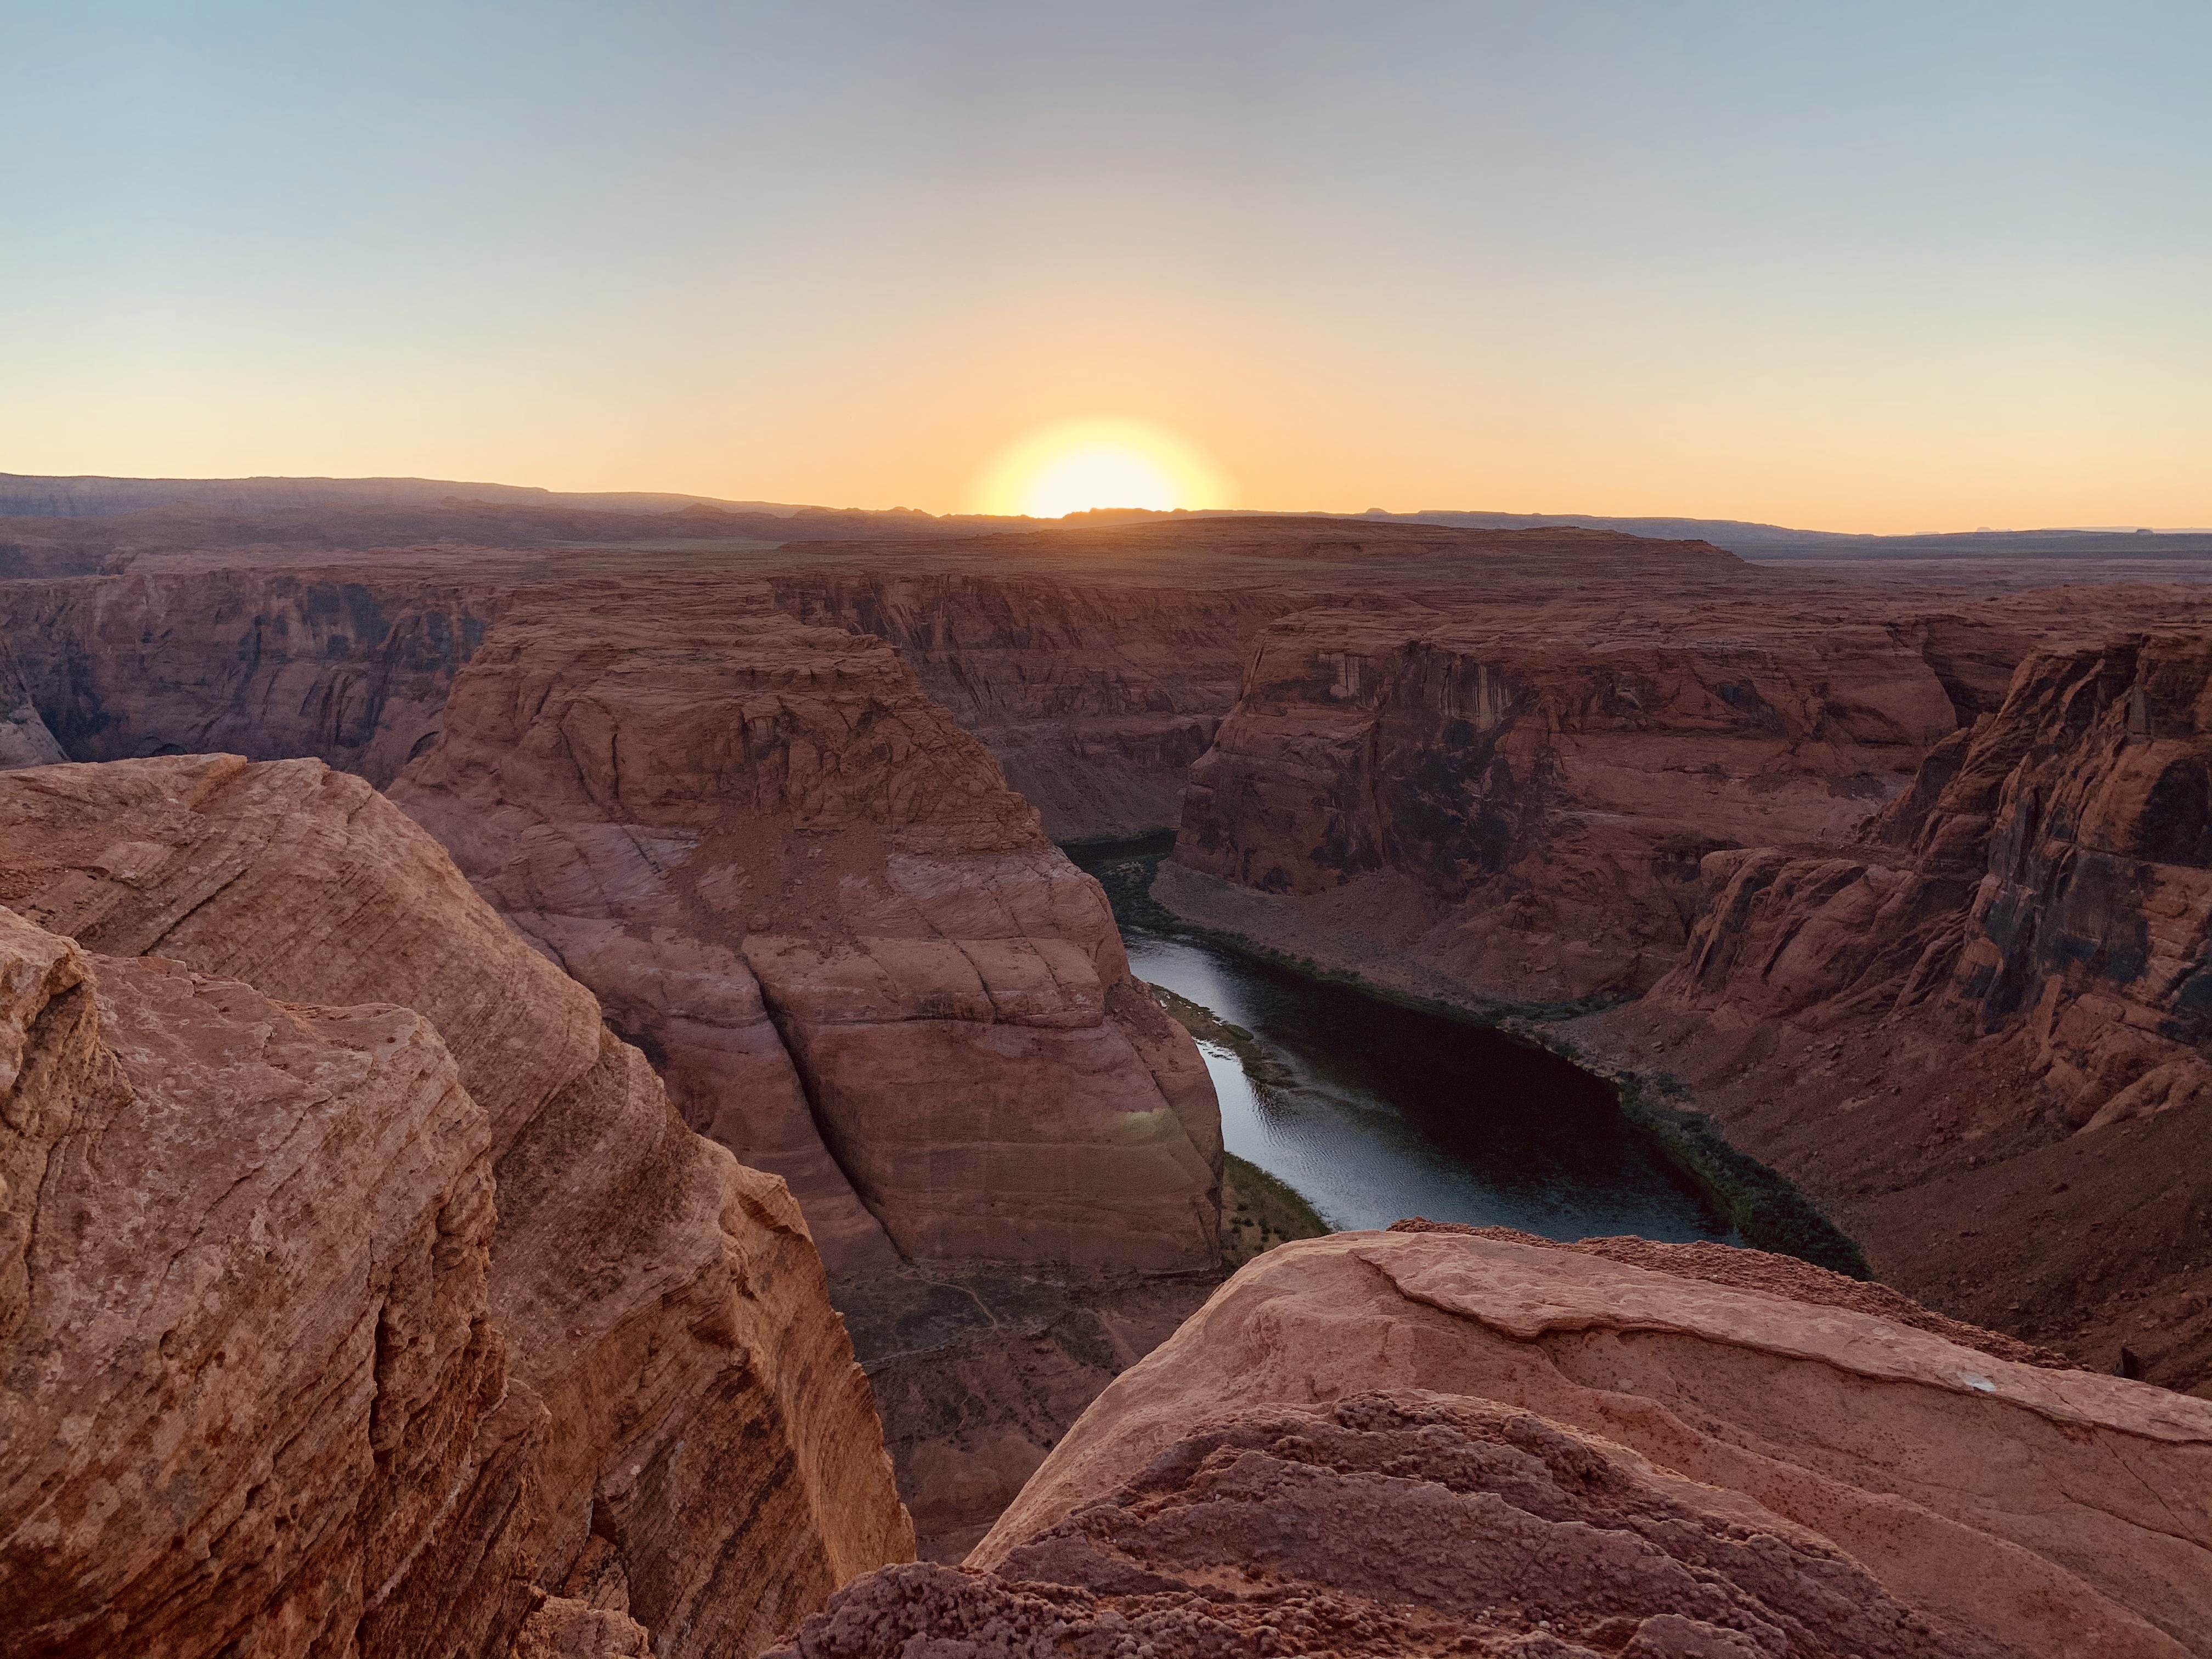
x=680 y=1436
x=1997 y=1004
x=799 y=886
x=813 y=897
x=1385 y=1443
x=229 y=1423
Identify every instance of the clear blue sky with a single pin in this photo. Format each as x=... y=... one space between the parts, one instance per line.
x=1860 y=265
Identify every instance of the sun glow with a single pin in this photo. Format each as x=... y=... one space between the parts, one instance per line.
x=1071 y=466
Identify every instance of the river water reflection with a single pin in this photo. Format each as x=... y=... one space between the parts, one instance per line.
x=1398 y=1113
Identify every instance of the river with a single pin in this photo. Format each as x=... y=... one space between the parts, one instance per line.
x=1394 y=1112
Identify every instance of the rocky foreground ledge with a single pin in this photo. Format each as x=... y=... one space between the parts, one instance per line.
x=330 y=1326
x=1446 y=1442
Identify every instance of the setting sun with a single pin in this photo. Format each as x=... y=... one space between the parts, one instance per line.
x=1071 y=466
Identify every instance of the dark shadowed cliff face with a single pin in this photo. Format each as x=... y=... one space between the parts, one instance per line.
x=1095 y=699
x=2051 y=867
x=1997 y=1006
x=267 y=664
x=25 y=739
x=1525 y=809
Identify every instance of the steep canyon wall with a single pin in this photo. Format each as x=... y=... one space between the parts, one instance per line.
x=1995 y=1005
x=1904 y=920
x=352 y=669
x=933 y=1036
x=1526 y=807
x=1095 y=698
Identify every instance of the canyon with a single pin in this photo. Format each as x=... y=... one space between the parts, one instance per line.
x=773 y=1168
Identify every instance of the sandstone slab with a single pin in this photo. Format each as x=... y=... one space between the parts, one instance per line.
x=1979 y=1504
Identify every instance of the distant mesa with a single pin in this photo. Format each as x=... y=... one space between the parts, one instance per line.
x=652 y=513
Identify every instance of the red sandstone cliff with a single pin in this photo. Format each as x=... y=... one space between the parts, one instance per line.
x=643 y=1403
x=1995 y=1005
x=815 y=897
x=1096 y=698
x=1535 y=800
x=1520 y=801
x=351 y=669
x=1672 y=701
x=858 y=961
x=1385 y=1443
x=227 y=1420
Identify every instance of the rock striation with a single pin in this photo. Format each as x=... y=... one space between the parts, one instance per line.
x=228 y=1421
x=1433 y=1442
x=1095 y=698
x=2050 y=871
x=645 y=1402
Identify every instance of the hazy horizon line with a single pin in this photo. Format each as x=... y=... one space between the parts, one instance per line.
x=759 y=504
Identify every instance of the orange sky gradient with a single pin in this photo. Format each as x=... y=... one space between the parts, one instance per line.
x=1849 y=270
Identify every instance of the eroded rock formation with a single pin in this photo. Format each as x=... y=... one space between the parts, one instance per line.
x=1095 y=698
x=813 y=894
x=227 y=1419
x=1528 y=804
x=680 y=1434
x=1908 y=978
x=1995 y=1004
x=270 y=664
x=1381 y=1443
x=1520 y=776
x=858 y=961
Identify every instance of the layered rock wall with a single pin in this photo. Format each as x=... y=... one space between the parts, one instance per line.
x=857 y=956
x=682 y=1435
x=1525 y=809
x=1095 y=699
x=2017 y=948
x=270 y=665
